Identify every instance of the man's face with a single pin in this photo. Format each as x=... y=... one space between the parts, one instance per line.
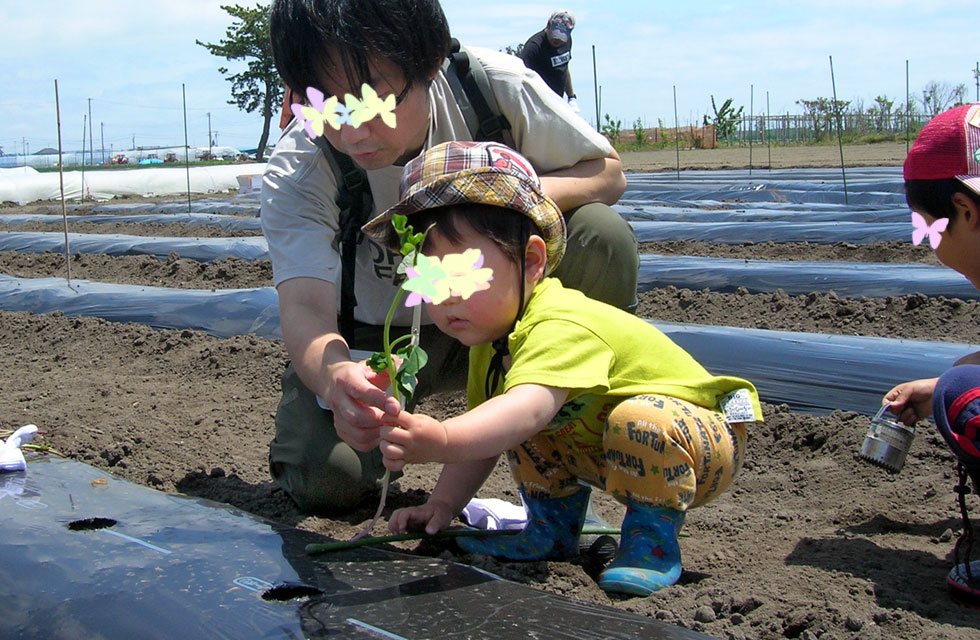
x=375 y=145
x=555 y=42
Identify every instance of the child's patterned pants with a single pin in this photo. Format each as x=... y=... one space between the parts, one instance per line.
x=656 y=450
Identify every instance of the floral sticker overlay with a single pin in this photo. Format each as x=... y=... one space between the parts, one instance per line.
x=922 y=230
x=352 y=111
x=457 y=274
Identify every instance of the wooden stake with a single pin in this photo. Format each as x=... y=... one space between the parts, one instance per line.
x=677 y=136
x=840 y=138
x=187 y=162
x=61 y=180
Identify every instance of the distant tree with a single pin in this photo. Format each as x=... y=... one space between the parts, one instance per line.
x=881 y=113
x=940 y=96
x=514 y=51
x=259 y=86
x=725 y=119
x=639 y=133
x=822 y=113
x=611 y=129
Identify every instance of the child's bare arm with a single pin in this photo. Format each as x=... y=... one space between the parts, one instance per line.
x=457 y=485
x=499 y=424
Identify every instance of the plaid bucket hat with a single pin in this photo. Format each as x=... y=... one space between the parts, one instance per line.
x=948 y=147
x=459 y=172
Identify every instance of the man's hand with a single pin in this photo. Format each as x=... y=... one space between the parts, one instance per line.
x=432 y=517
x=911 y=401
x=360 y=406
x=416 y=438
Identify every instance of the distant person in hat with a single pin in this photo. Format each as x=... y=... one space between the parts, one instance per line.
x=549 y=51
x=942 y=187
x=577 y=393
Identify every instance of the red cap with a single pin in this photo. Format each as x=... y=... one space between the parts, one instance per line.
x=948 y=147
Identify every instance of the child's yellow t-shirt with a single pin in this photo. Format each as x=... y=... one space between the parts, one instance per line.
x=602 y=355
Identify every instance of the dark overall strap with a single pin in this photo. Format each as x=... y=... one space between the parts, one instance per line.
x=355 y=204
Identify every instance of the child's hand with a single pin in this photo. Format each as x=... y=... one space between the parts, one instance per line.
x=911 y=401
x=432 y=517
x=417 y=438
x=356 y=396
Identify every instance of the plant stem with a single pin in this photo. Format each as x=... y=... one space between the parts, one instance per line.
x=381 y=506
x=324 y=547
x=399 y=340
x=387 y=344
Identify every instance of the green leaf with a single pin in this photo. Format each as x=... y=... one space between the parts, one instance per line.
x=413 y=359
x=399 y=222
x=408 y=261
x=377 y=362
x=409 y=241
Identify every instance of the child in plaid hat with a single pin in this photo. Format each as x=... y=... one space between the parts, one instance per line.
x=942 y=187
x=577 y=392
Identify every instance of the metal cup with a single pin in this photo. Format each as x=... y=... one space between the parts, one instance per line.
x=887 y=442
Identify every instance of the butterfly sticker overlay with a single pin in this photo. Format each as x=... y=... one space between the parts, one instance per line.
x=457 y=274
x=352 y=111
x=922 y=230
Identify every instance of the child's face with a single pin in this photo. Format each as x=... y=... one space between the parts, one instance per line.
x=956 y=250
x=486 y=315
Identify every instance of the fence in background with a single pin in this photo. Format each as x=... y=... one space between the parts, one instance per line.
x=787 y=129
x=805 y=128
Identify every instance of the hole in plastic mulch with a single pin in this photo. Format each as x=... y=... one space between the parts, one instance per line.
x=91 y=524
x=290 y=591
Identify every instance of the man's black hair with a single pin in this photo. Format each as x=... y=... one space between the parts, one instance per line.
x=412 y=34
x=506 y=228
x=935 y=197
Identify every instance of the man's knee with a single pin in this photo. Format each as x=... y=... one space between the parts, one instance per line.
x=338 y=483
x=601 y=259
x=308 y=459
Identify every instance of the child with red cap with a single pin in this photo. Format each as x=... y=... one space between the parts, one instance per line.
x=942 y=187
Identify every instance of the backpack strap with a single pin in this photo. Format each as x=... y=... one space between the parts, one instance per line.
x=471 y=89
x=355 y=203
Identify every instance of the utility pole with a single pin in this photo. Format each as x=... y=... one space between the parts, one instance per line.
x=209 y=136
x=102 y=127
x=83 y=157
x=91 y=140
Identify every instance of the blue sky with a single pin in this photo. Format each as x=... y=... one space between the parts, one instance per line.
x=131 y=56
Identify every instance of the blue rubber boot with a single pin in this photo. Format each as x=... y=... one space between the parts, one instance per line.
x=649 y=556
x=552 y=530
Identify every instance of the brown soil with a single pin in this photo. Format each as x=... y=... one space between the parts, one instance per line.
x=809 y=543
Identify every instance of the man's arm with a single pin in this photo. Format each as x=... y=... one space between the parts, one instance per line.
x=599 y=180
x=569 y=91
x=308 y=316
